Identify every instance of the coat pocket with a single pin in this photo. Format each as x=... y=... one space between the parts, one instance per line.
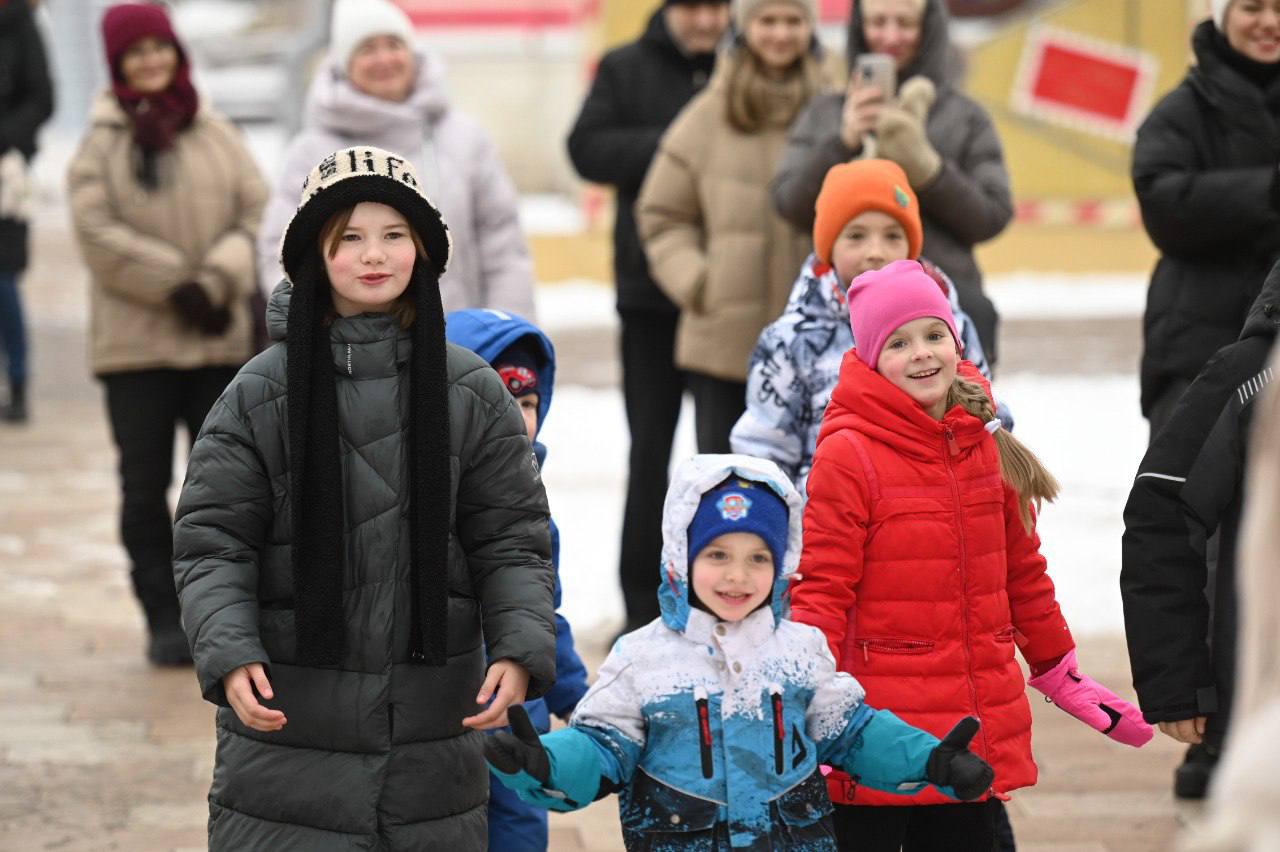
x=652 y=807
x=803 y=813
x=868 y=646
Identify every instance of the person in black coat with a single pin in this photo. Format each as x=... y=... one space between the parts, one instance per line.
x=26 y=102
x=638 y=91
x=1189 y=486
x=1205 y=171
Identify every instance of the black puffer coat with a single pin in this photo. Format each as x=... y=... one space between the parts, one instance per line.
x=26 y=101
x=1191 y=484
x=1204 y=168
x=373 y=755
x=638 y=91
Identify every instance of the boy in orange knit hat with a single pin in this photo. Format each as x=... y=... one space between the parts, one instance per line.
x=867 y=217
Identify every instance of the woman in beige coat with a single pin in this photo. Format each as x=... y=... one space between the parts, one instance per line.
x=714 y=243
x=165 y=200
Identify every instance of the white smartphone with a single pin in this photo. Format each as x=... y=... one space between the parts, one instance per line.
x=876 y=69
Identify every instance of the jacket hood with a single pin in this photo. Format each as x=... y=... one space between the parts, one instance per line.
x=335 y=105
x=693 y=478
x=1264 y=315
x=868 y=402
x=658 y=36
x=937 y=58
x=487 y=332
x=1219 y=83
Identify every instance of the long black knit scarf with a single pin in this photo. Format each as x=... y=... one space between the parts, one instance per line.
x=315 y=473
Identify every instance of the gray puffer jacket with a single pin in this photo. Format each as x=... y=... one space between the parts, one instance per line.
x=373 y=755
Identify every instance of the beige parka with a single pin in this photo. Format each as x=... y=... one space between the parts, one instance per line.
x=715 y=245
x=198 y=225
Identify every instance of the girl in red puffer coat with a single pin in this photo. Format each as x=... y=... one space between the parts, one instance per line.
x=922 y=566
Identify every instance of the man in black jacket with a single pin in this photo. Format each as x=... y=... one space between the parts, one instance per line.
x=26 y=102
x=639 y=90
x=1189 y=486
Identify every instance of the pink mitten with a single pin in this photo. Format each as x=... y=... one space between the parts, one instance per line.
x=1092 y=703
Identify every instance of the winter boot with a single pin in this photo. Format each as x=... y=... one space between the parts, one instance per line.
x=1191 y=778
x=16 y=412
x=166 y=640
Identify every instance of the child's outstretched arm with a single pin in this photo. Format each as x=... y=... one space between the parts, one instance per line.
x=1046 y=644
x=560 y=771
x=880 y=750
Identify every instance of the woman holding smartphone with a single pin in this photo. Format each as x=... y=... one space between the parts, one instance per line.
x=943 y=140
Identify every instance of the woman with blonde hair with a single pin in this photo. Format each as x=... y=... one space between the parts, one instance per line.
x=714 y=244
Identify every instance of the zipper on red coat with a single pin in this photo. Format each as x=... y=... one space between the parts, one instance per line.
x=950 y=449
x=704 y=731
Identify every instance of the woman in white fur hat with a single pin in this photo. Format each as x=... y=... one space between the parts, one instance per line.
x=378 y=87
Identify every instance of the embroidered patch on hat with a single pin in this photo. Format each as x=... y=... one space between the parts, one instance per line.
x=519 y=380
x=900 y=196
x=734 y=506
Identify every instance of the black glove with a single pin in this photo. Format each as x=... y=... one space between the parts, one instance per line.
x=952 y=765
x=195 y=310
x=521 y=749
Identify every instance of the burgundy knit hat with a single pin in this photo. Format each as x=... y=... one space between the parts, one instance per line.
x=883 y=300
x=126 y=23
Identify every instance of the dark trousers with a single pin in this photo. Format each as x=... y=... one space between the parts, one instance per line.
x=652 y=387
x=145 y=407
x=13 y=329
x=962 y=827
x=717 y=405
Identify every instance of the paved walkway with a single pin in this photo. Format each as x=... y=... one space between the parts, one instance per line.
x=99 y=751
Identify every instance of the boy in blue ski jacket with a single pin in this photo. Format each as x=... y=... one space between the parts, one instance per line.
x=525 y=360
x=867 y=217
x=712 y=720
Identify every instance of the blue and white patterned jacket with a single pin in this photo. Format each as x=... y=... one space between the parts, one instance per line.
x=714 y=730
x=796 y=363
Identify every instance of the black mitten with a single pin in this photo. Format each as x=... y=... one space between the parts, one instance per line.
x=195 y=310
x=951 y=764
x=521 y=749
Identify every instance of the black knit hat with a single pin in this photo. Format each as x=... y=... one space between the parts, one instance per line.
x=343 y=180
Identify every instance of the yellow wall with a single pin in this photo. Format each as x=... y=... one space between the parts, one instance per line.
x=624 y=20
x=1052 y=161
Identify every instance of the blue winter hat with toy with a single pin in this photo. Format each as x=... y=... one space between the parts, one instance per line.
x=740 y=505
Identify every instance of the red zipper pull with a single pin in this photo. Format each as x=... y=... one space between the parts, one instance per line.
x=866 y=658
x=951 y=441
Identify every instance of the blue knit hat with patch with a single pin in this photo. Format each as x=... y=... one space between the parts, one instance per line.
x=740 y=505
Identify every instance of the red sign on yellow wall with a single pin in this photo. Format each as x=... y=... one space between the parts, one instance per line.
x=1071 y=80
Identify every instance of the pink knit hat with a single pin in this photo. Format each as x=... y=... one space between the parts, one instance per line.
x=885 y=299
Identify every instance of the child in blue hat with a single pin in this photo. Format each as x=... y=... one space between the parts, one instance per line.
x=711 y=721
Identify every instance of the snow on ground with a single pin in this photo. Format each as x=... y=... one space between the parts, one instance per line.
x=1087 y=430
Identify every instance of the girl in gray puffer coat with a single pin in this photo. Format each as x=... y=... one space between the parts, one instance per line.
x=362 y=519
